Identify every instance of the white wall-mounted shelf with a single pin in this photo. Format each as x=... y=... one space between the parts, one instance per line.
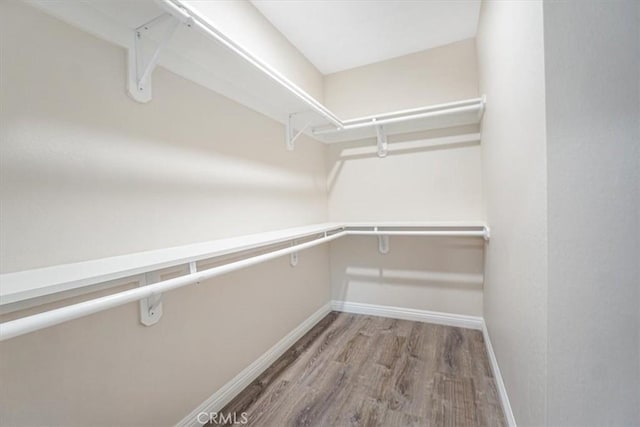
x=190 y=45
x=33 y=284
x=39 y=282
x=418 y=119
x=24 y=285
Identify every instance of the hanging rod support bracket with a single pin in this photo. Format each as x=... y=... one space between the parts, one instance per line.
x=383 y=244
x=150 y=308
x=483 y=103
x=291 y=132
x=140 y=67
x=294 y=257
x=382 y=140
x=193 y=267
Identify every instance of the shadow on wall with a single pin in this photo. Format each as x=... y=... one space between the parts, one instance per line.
x=400 y=145
x=438 y=274
x=414 y=277
x=104 y=176
x=120 y=153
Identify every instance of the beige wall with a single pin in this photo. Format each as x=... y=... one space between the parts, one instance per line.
x=437 y=177
x=561 y=162
x=431 y=176
x=434 y=76
x=435 y=274
x=244 y=24
x=108 y=370
x=592 y=62
x=86 y=173
x=511 y=71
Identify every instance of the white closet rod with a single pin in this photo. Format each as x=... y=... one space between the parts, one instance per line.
x=470 y=233
x=418 y=110
x=402 y=118
x=182 y=11
x=46 y=319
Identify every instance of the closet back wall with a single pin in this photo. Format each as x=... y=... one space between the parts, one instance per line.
x=434 y=76
x=89 y=173
x=433 y=176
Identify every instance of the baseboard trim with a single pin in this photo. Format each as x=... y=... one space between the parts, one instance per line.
x=502 y=391
x=227 y=392
x=448 y=319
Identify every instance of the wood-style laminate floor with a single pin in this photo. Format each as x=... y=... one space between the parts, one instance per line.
x=356 y=370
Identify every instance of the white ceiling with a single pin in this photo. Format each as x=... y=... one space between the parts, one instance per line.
x=337 y=35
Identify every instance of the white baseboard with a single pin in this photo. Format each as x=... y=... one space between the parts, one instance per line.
x=459 y=320
x=462 y=321
x=502 y=391
x=224 y=395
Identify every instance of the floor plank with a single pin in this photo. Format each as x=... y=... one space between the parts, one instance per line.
x=356 y=370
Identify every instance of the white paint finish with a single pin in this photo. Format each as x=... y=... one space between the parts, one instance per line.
x=403 y=122
x=226 y=393
x=592 y=61
x=83 y=179
x=339 y=35
x=426 y=273
x=511 y=68
x=448 y=319
x=435 y=76
x=432 y=179
x=241 y=22
x=475 y=225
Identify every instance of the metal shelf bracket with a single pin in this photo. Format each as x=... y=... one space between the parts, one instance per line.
x=193 y=268
x=150 y=308
x=383 y=244
x=291 y=135
x=382 y=140
x=294 y=258
x=483 y=103
x=139 y=67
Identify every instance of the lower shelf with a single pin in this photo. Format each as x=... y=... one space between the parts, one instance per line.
x=272 y=245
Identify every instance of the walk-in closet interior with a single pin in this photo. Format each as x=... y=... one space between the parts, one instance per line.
x=319 y=213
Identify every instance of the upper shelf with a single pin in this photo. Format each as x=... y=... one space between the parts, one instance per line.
x=418 y=119
x=172 y=33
